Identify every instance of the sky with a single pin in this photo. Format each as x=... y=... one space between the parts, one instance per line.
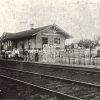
x=79 y=18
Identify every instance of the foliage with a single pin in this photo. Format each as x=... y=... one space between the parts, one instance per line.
x=86 y=43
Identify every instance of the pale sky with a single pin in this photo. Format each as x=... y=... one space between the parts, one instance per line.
x=80 y=18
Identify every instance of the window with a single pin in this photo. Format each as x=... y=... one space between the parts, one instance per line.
x=56 y=40
x=29 y=44
x=2 y=47
x=29 y=47
x=22 y=45
x=44 y=40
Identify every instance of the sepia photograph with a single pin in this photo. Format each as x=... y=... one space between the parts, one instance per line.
x=49 y=49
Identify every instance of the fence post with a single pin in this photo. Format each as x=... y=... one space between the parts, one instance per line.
x=69 y=59
x=73 y=59
x=84 y=59
x=93 y=60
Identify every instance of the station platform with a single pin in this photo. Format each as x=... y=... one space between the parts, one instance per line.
x=75 y=66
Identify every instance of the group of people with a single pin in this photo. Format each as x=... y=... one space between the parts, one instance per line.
x=18 y=54
x=10 y=54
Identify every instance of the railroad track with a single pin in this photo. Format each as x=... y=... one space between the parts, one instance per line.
x=73 y=89
x=13 y=89
x=78 y=74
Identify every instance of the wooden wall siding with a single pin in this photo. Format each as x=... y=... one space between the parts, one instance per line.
x=26 y=43
x=50 y=38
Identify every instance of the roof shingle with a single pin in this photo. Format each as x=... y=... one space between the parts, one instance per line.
x=34 y=31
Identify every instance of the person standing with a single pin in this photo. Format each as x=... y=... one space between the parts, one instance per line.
x=16 y=54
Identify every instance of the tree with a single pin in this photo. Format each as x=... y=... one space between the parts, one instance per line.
x=86 y=43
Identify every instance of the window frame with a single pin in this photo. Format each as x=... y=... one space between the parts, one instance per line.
x=56 y=40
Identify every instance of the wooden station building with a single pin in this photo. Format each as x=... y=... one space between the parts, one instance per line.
x=34 y=38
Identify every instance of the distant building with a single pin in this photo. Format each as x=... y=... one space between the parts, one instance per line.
x=35 y=38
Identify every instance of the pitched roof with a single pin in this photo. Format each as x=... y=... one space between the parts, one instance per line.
x=32 y=32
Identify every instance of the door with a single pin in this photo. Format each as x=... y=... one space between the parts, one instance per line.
x=23 y=48
x=36 y=56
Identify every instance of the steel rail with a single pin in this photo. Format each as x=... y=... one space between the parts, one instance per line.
x=52 y=91
x=54 y=77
